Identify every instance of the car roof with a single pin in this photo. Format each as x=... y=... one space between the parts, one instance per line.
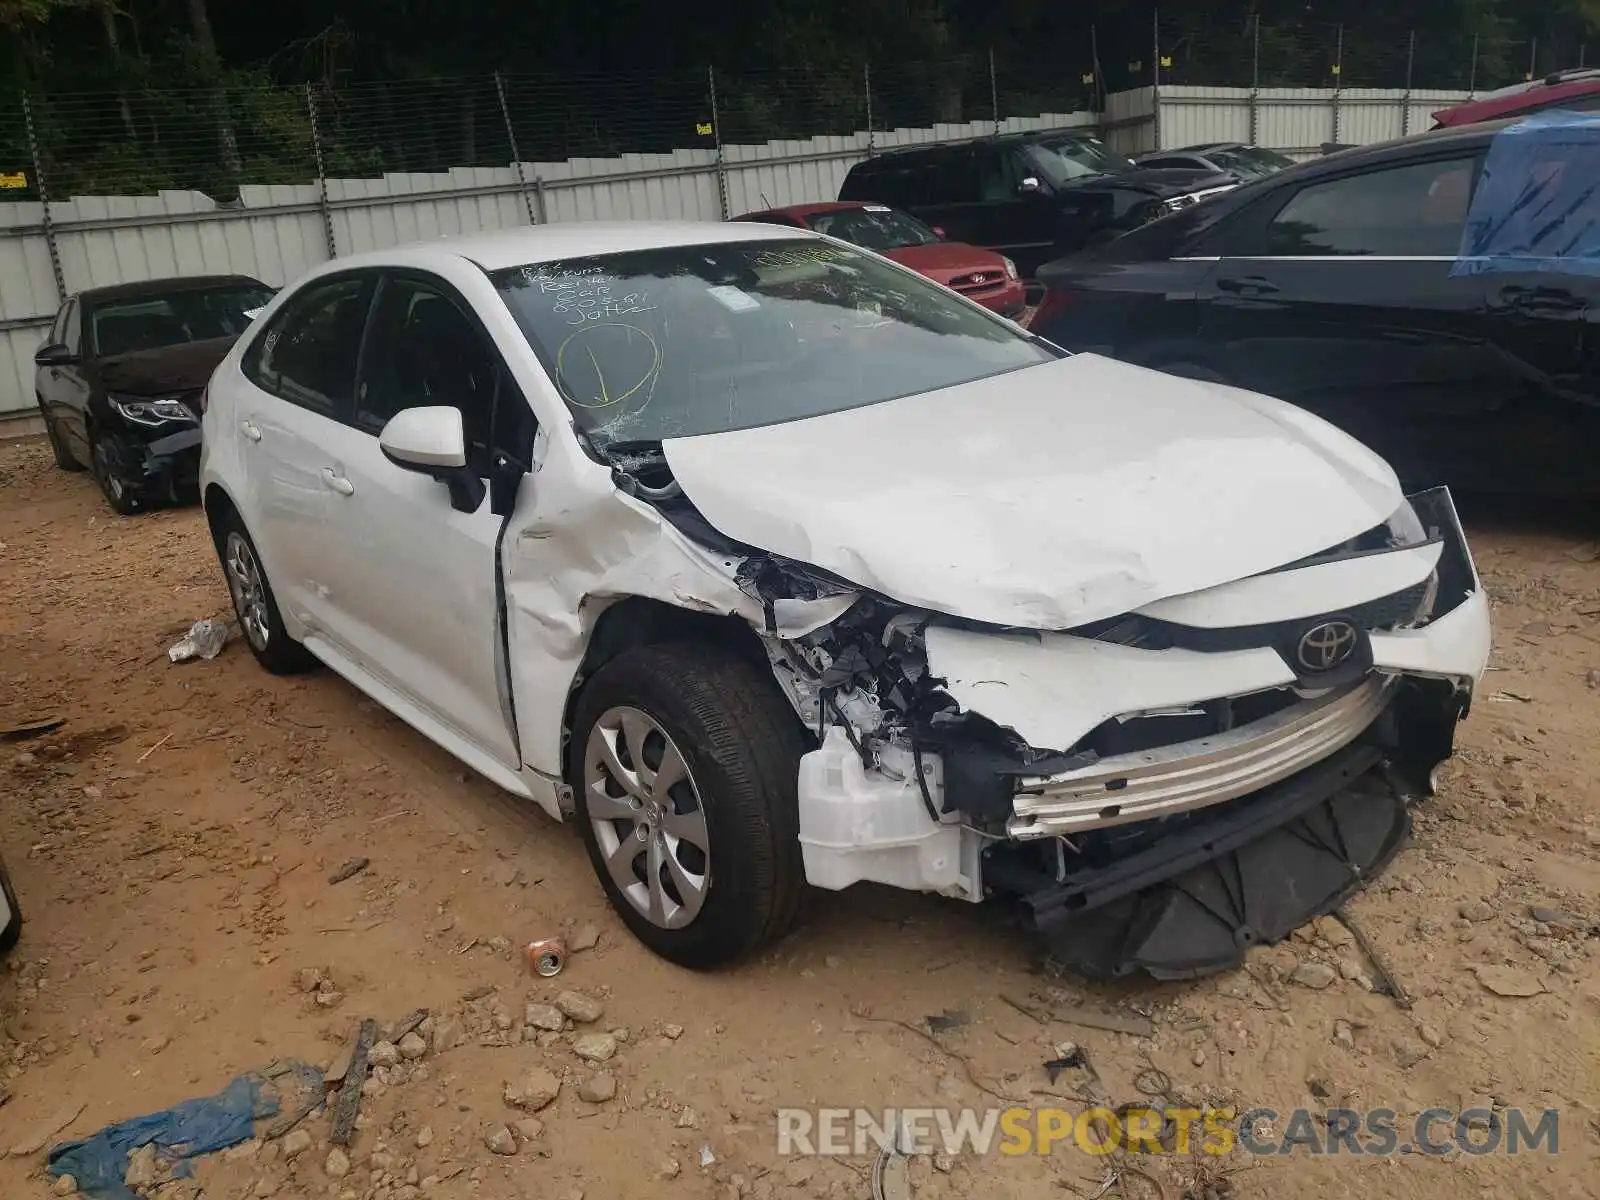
x=165 y=287
x=801 y=211
x=1465 y=137
x=894 y=153
x=1538 y=95
x=499 y=249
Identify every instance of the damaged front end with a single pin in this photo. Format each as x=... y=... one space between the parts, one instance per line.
x=1156 y=791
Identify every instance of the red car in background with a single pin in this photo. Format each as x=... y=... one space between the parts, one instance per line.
x=1577 y=90
x=989 y=278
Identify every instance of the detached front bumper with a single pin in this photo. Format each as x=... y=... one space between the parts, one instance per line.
x=164 y=466
x=1279 y=814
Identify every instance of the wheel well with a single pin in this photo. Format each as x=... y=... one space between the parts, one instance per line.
x=218 y=508
x=640 y=621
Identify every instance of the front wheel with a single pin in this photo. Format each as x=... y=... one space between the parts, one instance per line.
x=254 y=604
x=109 y=465
x=685 y=763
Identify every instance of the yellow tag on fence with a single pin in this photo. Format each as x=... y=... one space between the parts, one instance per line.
x=14 y=180
x=703 y=128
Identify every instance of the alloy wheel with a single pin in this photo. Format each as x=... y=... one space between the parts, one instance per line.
x=647 y=817
x=248 y=588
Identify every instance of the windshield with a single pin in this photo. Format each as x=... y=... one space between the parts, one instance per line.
x=151 y=322
x=687 y=340
x=1266 y=160
x=1077 y=158
x=873 y=226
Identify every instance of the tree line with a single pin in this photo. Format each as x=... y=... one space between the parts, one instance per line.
x=130 y=95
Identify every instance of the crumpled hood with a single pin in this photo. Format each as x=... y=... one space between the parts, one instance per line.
x=1043 y=498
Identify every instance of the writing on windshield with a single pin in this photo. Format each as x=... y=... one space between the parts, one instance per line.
x=691 y=340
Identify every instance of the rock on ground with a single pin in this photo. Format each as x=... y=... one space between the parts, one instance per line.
x=581 y=1008
x=499 y=1140
x=536 y=1089
x=597 y=1089
x=595 y=1047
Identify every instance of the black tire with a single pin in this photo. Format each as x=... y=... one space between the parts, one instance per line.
x=742 y=744
x=58 y=447
x=274 y=648
x=13 y=928
x=108 y=464
x=1191 y=370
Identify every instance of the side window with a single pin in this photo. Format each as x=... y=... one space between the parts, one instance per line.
x=954 y=178
x=72 y=335
x=308 y=356
x=1408 y=211
x=422 y=350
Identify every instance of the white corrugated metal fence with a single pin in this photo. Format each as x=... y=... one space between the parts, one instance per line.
x=277 y=232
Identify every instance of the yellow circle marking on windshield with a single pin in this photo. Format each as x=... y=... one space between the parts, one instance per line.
x=605 y=398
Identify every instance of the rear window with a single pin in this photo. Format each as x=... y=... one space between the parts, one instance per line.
x=689 y=340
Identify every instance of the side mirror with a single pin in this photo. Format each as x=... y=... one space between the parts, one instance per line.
x=54 y=355
x=433 y=442
x=1030 y=186
x=938 y=232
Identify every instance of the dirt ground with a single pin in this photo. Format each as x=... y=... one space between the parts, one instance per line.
x=172 y=843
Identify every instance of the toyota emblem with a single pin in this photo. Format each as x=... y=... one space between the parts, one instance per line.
x=1323 y=647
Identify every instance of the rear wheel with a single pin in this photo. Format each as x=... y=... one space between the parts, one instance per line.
x=685 y=763
x=254 y=604
x=58 y=444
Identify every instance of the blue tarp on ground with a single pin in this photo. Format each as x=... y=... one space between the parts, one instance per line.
x=1537 y=203
x=180 y=1133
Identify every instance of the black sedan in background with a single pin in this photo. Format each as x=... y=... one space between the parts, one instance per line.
x=1029 y=196
x=119 y=380
x=1336 y=286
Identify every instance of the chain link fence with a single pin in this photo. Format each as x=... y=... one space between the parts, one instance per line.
x=215 y=140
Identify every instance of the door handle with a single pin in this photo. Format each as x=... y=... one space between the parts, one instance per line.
x=338 y=482
x=1250 y=285
x=250 y=430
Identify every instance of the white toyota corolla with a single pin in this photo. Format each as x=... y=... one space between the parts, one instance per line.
x=772 y=563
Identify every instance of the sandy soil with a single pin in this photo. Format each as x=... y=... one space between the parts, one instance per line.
x=172 y=845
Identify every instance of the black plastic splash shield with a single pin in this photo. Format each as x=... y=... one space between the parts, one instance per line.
x=1249 y=878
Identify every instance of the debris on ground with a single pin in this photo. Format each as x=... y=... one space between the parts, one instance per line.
x=546 y=956
x=350 y=870
x=205 y=639
x=950 y=1018
x=1509 y=981
x=32 y=729
x=143 y=1152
